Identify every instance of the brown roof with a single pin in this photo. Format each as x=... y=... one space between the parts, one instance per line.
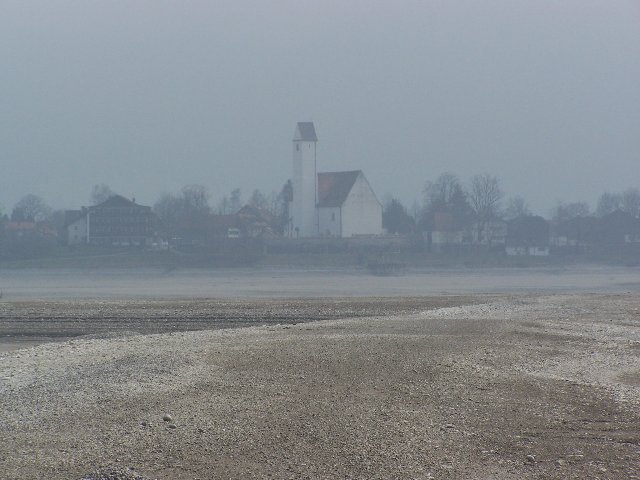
x=17 y=226
x=221 y=223
x=334 y=187
x=70 y=216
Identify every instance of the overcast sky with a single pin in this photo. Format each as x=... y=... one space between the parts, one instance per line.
x=148 y=96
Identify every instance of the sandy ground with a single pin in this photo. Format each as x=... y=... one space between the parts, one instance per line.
x=519 y=386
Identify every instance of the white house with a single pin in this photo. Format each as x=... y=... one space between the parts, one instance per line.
x=76 y=223
x=337 y=204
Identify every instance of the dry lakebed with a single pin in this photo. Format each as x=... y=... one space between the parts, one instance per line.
x=448 y=386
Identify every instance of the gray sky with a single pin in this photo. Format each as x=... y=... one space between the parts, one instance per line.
x=148 y=96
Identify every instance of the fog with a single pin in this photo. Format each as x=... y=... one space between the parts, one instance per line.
x=149 y=96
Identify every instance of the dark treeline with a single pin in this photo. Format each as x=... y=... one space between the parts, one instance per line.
x=483 y=198
x=450 y=212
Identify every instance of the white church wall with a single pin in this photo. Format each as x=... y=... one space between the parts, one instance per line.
x=361 y=211
x=330 y=222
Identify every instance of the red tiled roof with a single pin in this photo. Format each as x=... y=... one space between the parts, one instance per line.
x=16 y=226
x=334 y=187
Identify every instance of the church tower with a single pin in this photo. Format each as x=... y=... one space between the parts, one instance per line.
x=305 y=183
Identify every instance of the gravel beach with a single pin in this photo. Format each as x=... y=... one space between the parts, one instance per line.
x=511 y=386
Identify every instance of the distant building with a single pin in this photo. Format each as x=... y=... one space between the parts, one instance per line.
x=618 y=228
x=446 y=231
x=528 y=235
x=337 y=204
x=249 y=222
x=20 y=229
x=114 y=222
x=574 y=235
x=489 y=233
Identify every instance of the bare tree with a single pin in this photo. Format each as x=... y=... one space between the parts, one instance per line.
x=168 y=209
x=516 y=207
x=235 y=201
x=485 y=195
x=631 y=201
x=627 y=201
x=446 y=194
x=258 y=200
x=395 y=218
x=273 y=203
x=186 y=213
x=195 y=199
x=439 y=194
x=608 y=202
x=31 y=208
x=101 y=193
x=230 y=204
x=284 y=199
x=566 y=211
x=223 y=206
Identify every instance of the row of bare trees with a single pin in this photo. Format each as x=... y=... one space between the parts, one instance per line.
x=482 y=199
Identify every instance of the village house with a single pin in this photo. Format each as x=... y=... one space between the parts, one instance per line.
x=446 y=232
x=528 y=235
x=574 y=235
x=617 y=228
x=248 y=222
x=490 y=233
x=114 y=222
x=26 y=238
x=333 y=204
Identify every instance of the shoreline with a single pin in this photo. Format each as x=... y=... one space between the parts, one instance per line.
x=265 y=283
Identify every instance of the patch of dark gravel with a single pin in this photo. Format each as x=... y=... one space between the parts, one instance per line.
x=65 y=319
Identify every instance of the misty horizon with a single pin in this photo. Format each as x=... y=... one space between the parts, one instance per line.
x=149 y=97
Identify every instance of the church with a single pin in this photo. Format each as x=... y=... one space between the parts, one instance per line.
x=329 y=204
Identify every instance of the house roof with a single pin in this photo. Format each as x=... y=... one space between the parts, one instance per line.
x=116 y=201
x=305 y=132
x=71 y=216
x=334 y=187
x=446 y=222
x=20 y=226
x=256 y=213
x=221 y=223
